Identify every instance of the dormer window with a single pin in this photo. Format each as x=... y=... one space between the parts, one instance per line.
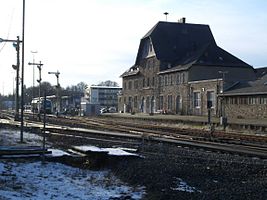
x=150 y=47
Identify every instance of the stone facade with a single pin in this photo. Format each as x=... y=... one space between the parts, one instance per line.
x=150 y=91
x=250 y=106
x=180 y=73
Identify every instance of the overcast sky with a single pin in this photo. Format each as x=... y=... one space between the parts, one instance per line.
x=97 y=40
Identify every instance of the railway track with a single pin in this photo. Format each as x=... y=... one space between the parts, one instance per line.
x=138 y=132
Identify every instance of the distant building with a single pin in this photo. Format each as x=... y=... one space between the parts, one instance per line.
x=8 y=104
x=179 y=68
x=104 y=95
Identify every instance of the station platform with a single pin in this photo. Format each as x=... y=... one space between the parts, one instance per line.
x=254 y=125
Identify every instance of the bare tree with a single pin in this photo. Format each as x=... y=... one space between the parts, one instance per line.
x=109 y=83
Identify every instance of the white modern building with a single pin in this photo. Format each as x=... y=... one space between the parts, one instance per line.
x=106 y=96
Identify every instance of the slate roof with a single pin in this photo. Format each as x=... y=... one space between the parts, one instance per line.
x=174 y=42
x=134 y=70
x=261 y=71
x=182 y=45
x=256 y=87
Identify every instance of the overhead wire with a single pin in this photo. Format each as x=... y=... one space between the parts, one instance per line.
x=9 y=28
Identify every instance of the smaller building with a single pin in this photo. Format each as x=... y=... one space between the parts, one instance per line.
x=247 y=99
x=89 y=109
x=105 y=96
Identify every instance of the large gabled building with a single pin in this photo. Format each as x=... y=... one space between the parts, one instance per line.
x=178 y=69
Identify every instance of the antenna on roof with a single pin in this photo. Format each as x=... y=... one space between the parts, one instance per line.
x=166 y=14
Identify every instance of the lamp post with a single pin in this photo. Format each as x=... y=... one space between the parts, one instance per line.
x=39 y=66
x=57 y=88
x=16 y=44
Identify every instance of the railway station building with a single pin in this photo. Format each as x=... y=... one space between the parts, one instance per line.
x=179 y=69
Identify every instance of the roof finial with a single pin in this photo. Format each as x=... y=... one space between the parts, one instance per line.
x=166 y=14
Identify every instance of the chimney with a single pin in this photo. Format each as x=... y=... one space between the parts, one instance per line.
x=182 y=20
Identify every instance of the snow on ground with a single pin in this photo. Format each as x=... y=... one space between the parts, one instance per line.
x=25 y=179
x=58 y=153
x=110 y=151
x=37 y=180
x=12 y=137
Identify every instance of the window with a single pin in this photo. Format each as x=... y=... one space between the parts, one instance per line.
x=160 y=81
x=135 y=101
x=148 y=82
x=147 y=104
x=148 y=64
x=130 y=101
x=166 y=80
x=177 y=79
x=171 y=81
x=263 y=100
x=136 y=84
x=211 y=98
x=169 y=102
x=161 y=102
x=144 y=82
x=196 y=98
x=153 y=81
x=130 y=85
x=183 y=78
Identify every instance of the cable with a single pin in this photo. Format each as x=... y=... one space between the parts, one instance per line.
x=9 y=28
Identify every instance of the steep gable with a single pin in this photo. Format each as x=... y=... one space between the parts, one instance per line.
x=175 y=42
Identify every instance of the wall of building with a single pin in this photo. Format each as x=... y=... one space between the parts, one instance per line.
x=104 y=95
x=141 y=88
x=204 y=88
x=170 y=93
x=246 y=106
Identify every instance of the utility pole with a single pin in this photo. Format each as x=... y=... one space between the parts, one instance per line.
x=57 y=88
x=33 y=79
x=17 y=79
x=16 y=44
x=22 y=73
x=39 y=66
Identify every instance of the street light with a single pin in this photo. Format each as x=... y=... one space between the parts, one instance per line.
x=57 y=87
x=16 y=44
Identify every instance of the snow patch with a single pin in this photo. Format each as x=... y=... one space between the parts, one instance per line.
x=58 y=153
x=110 y=151
x=38 y=180
x=183 y=186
